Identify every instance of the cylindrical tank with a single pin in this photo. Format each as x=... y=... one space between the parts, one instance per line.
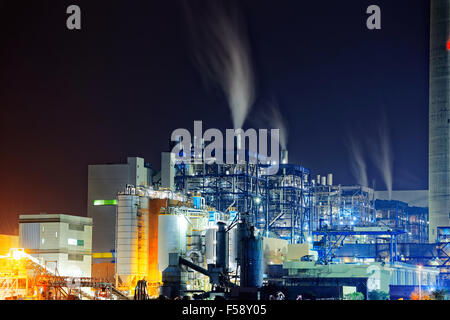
x=210 y=245
x=221 y=246
x=254 y=262
x=318 y=179
x=233 y=252
x=324 y=181
x=171 y=237
x=126 y=237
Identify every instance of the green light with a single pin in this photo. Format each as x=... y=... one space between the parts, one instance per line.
x=105 y=202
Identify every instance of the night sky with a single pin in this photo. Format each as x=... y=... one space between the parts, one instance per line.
x=122 y=84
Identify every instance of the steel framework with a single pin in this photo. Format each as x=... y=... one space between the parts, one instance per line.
x=280 y=204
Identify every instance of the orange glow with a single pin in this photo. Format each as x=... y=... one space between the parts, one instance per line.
x=154 y=277
x=17 y=254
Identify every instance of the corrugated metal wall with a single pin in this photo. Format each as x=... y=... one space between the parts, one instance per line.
x=29 y=235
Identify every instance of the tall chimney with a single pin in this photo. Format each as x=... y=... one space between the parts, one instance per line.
x=439 y=118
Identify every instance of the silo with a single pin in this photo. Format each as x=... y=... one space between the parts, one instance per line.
x=222 y=246
x=439 y=118
x=254 y=276
x=233 y=249
x=171 y=237
x=210 y=245
x=126 y=238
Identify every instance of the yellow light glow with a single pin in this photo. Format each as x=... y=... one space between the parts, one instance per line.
x=17 y=254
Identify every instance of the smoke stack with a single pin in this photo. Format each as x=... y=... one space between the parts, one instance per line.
x=330 y=179
x=318 y=179
x=324 y=181
x=284 y=157
x=439 y=129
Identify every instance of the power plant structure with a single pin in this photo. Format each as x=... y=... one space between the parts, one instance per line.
x=208 y=230
x=439 y=121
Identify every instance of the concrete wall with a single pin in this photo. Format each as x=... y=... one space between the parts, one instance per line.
x=439 y=118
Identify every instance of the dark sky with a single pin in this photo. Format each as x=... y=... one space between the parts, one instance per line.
x=122 y=84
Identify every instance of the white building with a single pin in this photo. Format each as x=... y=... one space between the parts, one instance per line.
x=62 y=242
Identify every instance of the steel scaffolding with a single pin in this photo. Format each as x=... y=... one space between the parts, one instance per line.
x=280 y=204
x=398 y=215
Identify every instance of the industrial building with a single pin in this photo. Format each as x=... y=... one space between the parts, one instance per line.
x=208 y=230
x=61 y=242
x=104 y=182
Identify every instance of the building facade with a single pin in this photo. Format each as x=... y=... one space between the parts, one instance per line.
x=61 y=242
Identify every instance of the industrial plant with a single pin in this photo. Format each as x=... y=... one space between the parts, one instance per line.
x=205 y=230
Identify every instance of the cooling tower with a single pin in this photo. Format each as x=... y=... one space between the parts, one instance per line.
x=439 y=117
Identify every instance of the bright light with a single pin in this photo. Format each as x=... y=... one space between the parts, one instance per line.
x=257 y=200
x=17 y=254
x=309 y=239
x=419 y=267
x=105 y=202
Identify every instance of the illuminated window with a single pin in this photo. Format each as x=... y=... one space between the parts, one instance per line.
x=105 y=202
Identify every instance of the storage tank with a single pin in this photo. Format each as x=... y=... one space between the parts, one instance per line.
x=171 y=237
x=250 y=256
x=254 y=276
x=221 y=246
x=210 y=245
x=232 y=249
x=126 y=237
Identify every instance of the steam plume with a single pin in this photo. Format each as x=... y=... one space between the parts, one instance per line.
x=357 y=162
x=222 y=54
x=382 y=154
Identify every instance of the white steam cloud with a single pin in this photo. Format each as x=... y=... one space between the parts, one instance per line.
x=222 y=54
x=382 y=154
x=357 y=162
x=274 y=119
